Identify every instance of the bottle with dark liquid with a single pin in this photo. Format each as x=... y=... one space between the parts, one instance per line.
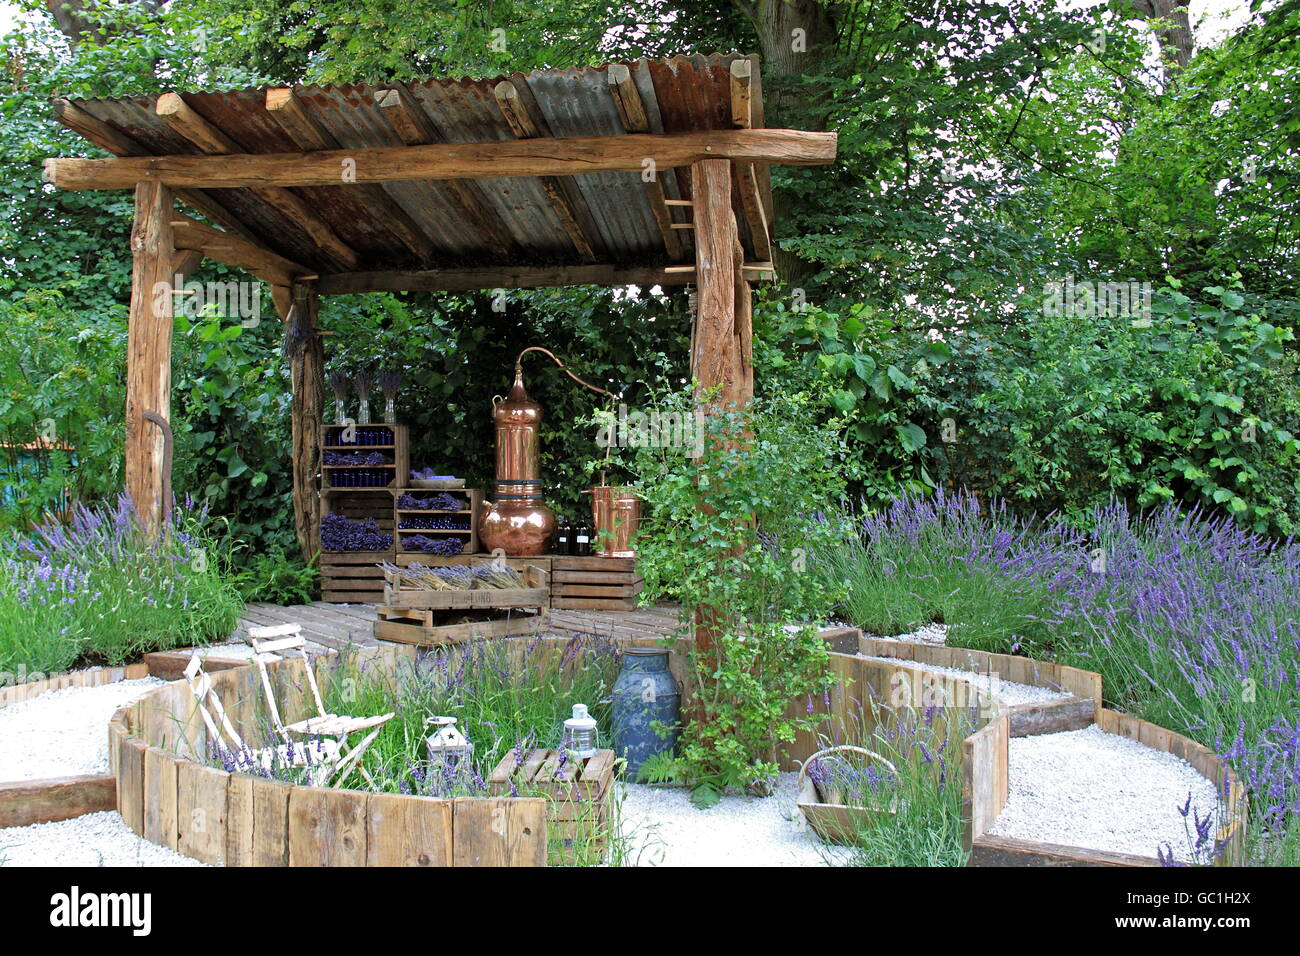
x=563 y=536
x=582 y=540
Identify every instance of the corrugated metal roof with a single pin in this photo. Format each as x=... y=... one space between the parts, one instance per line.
x=509 y=221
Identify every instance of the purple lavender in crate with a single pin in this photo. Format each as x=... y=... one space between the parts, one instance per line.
x=339 y=533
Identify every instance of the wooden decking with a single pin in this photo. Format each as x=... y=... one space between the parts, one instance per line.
x=342 y=625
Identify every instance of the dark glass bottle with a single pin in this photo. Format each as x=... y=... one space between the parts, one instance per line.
x=563 y=536
x=582 y=540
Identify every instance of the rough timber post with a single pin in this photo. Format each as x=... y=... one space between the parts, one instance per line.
x=715 y=358
x=299 y=310
x=149 y=351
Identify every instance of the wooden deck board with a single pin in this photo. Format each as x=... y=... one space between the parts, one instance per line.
x=338 y=625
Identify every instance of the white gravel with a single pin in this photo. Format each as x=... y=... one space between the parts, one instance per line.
x=1091 y=789
x=933 y=634
x=96 y=839
x=1010 y=694
x=63 y=733
x=665 y=829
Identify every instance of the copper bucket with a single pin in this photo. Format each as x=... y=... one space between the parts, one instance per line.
x=616 y=514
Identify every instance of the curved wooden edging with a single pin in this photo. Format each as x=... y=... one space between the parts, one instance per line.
x=27 y=802
x=985 y=768
x=236 y=819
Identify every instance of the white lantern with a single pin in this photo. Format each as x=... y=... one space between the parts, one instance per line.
x=580 y=732
x=447 y=744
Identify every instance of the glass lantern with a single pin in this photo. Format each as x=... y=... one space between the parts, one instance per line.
x=580 y=732
x=447 y=745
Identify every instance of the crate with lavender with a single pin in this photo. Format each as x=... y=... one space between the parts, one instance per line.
x=436 y=523
x=361 y=456
x=430 y=606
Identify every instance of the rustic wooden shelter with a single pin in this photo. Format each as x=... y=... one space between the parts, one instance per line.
x=647 y=172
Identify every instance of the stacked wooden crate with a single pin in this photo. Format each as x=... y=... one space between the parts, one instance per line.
x=578 y=793
x=473 y=498
x=414 y=615
x=354 y=577
x=595 y=583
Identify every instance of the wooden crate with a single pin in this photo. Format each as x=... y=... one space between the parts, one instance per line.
x=398 y=450
x=595 y=583
x=415 y=626
x=579 y=798
x=534 y=593
x=469 y=535
x=353 y=577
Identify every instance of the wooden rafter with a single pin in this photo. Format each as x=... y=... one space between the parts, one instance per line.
x=109 y=139
x=414 y=128
x=235 y=251
x=742 y=117
x=308 y=135
x=521 y=277
x=569 y=156
x=627 y=100
x=525 y=127
x=201 y=134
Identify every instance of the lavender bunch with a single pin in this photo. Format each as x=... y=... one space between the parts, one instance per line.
x=339 y=533
x=390 y=380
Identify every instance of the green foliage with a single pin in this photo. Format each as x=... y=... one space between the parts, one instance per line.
x=275 y=577
x=729 y=537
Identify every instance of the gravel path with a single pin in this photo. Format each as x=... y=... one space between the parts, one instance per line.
x=933 y=634
x=665 y=829
x=1010 y=694
x=64 y=732
x=96 y=839
x=1096 y=790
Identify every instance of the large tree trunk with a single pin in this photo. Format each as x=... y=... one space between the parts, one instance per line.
x=795 y=39
x=1176 y=38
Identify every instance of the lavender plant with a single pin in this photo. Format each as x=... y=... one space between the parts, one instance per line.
x=1191 y=620
x=100 y=590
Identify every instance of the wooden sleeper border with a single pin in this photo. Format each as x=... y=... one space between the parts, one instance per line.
x=237 y=819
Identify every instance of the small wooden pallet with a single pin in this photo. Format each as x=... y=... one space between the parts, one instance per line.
x=353 y=577
x=578 y=798
x=595 y=583
x=416 y=626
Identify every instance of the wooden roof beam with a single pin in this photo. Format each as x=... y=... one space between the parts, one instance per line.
x=523 y=277
x=627 y=100
x=568 y=156
x=235 y=251
x=197 y=131
x=742 y=117
x=524 y=126
x=110 y=140
x=292 y=117
x=414 y=128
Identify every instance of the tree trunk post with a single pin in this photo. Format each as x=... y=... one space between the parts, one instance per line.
x=715 y=354
x=307 y=411
x=149 y=353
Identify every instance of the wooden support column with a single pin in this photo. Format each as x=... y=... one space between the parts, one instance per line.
x=715 y=358
x=307 y=412
x=149 y=351
x=715 y=352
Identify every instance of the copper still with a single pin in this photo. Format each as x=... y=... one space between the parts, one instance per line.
x=615 y=514
x=518 y=520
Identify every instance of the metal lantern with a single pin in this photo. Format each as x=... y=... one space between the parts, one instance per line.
x=447 y=745
x=580 y=732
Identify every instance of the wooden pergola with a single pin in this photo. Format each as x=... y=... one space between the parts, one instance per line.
x=648 y=173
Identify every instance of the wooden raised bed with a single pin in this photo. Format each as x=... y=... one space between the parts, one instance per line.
x=578 y=802
x=236 y=819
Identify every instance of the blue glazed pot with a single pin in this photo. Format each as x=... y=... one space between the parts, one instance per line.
x=644 y=694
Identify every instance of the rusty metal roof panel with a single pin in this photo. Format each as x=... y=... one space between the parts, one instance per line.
x=681 y=94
